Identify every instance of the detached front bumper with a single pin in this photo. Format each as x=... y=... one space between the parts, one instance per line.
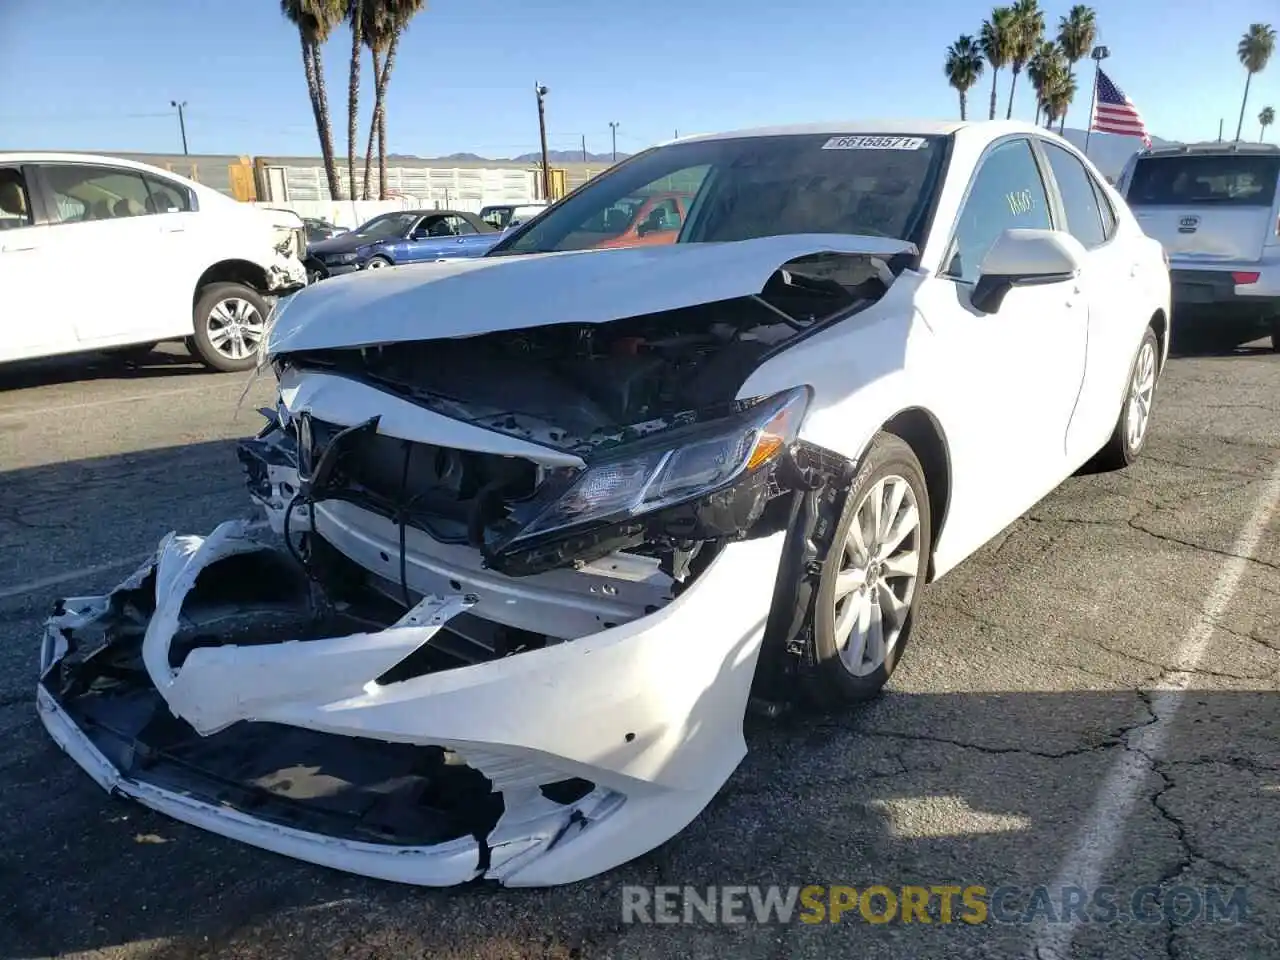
x=210 y=686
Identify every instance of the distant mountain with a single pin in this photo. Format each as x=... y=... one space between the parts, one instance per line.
x=569 y=156
x=1109 y=151
x=464 y=156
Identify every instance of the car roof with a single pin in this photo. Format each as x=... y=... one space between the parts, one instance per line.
x=1209 y=148
x=900 y=127
x=55 y=157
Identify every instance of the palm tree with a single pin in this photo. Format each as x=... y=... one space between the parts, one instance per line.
x=315 y=20
x=1076 y=33
x=1040 y=71
x=1061 y=91
x=996 y=39
x=355 y=16
x=1266 y=118
x=1028 y=32
x=1254 y=50
x=964 y=66
x=385 y=22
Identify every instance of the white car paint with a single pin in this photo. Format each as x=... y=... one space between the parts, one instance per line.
x=124 y=280
x=645 y=699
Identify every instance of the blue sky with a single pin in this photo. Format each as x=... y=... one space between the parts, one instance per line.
x=83 y=74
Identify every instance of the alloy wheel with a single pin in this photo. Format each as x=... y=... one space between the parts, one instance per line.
x=1142 y=389
x=236 y=328
x=877 y=578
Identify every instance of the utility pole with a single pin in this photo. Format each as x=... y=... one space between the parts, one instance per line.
x=541 y=93
x=1219 y=129
x=1098 y=54
x=584 y=148
x=182 y=123
x=613 y=127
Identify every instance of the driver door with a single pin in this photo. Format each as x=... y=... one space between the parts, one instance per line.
x=1006 y=381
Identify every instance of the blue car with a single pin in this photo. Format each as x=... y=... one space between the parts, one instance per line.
x=406 y=236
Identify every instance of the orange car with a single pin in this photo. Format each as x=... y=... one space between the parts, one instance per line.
x=645 y=221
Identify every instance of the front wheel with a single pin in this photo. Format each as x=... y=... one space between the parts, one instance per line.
x=377 y=263
x=1132 y=426
x=872 y=577
x=230 y=323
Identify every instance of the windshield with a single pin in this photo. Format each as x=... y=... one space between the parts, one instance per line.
x=738 y=189
x=1237 y=180
x=387 y=226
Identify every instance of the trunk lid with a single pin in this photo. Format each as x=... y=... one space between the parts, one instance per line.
x=1212 y=208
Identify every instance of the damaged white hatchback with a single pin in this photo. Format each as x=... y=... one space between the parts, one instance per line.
x=544 y=522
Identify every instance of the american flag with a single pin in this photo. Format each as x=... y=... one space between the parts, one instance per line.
x=1113 y=112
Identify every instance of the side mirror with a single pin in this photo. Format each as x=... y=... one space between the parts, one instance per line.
x=1024 y=258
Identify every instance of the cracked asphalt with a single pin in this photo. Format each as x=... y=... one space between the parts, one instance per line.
x=1110 y=655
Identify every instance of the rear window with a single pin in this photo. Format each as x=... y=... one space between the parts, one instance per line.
x=1237 y=180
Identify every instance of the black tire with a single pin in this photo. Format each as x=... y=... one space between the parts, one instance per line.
x=200 y=343
x=832 y=683
x=1120 y=451
x=1275 y=334
x=377 y=263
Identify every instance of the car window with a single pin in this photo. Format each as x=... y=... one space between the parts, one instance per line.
x=1007 y=192
x=84 y=192
x=1105 y=208
x=740 y=188
x=461 y=226
x=15 y=202
x=166 y=197
x=662 y=216
x=387 y=226
x=1079 y=198
x=1236 y=180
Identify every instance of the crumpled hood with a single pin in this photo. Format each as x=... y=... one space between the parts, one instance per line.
x=464 y=298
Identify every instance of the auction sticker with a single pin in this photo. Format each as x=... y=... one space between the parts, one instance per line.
x=874 y=143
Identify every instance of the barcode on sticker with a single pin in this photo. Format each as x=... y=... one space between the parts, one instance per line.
x=874 y=143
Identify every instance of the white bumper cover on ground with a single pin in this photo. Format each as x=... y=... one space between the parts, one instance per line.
x=650 y=712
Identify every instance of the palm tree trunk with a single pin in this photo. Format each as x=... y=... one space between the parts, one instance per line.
x=325 y=128
x=994 y=73
x=1013 y=85
x=387 y=64
x=1062 y=126
x=1240 y=126
x=353 y=94
x=373 y=125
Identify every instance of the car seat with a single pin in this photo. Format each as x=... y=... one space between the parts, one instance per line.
x=13 y=199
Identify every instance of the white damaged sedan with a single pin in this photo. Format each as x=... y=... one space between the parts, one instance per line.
x=544 y=522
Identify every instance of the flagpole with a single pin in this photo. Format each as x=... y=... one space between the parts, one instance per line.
x=1097 y=55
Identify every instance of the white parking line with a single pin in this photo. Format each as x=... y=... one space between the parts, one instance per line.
x=84 y=573
x=1104 y=830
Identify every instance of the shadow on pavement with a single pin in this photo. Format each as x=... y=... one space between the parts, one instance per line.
x=167 y=360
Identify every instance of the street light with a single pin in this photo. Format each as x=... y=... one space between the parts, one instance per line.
x=182 y=123
x=1098 y=54
x=613 y=128
x=540 y=91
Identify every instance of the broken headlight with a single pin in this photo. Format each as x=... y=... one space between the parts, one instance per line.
x=664 y=474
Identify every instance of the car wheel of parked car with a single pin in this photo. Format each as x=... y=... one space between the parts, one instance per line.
x=1134 y=422
x=873 y=575
x=377 y=263
x=1275 y=334
x=230 y=323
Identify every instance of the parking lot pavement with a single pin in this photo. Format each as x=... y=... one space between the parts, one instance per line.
x=1090 y=701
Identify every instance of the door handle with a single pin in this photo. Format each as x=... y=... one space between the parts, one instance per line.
x=172 y=229
x=18 y=247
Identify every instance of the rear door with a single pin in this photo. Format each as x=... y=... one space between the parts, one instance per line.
x=34 y=316
x=1110 y=284
x=1208 y=210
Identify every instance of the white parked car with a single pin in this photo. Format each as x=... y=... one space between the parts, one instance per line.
x=550 y=519
x=108 y=254
x=1216 y=209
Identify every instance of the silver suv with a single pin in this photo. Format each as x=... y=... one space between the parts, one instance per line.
x=1216 y=209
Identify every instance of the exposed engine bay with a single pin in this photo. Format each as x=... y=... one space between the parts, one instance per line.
x=645 y=401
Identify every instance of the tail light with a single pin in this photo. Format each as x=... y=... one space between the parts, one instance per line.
x=1245 y=277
